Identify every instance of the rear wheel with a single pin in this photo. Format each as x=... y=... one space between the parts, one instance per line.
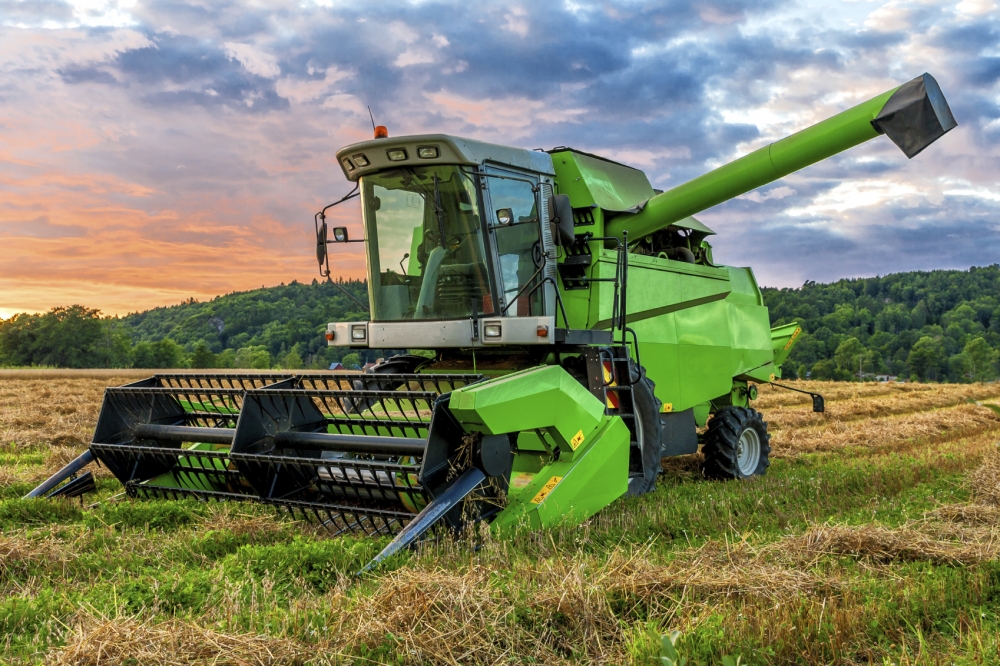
x=737 y=444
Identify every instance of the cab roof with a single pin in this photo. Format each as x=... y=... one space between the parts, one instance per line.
x=450 y=150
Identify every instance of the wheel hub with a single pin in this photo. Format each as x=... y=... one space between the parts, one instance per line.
x=748 y=451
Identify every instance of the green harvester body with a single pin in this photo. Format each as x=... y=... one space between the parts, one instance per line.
x=575 y=330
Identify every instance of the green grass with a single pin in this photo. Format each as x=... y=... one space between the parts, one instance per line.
x=239 y=568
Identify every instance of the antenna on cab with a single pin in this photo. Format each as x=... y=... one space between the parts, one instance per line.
x=380 y=131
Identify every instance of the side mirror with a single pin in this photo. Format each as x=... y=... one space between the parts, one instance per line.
x=561 y=215
x=340 y=235
x=321 y=244
x=505 y=216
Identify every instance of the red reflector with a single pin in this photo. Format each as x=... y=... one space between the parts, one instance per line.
x=329 y=335
x=543 y=331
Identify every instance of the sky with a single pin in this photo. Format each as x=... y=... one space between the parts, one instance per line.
x=152 y=152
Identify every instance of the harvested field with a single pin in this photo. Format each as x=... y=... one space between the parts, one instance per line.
x=874 y=538
x=897 y=431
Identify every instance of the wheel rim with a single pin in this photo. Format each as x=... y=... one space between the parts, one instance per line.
x=748 y=451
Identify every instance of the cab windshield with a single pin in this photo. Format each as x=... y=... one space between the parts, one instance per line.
x=426 y=251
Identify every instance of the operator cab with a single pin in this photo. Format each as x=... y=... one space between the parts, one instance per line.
x=456 y=233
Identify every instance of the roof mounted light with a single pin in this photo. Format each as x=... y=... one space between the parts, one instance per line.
x=350 y=165
x=396 y=154
x=381 y=132
x=361 y=160
x=427 y=152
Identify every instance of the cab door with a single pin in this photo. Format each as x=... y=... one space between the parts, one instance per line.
x=513 y=220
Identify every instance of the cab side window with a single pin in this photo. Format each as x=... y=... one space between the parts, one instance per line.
x=514 y=213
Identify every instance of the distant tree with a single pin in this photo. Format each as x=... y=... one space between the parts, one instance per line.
x=925 y=358
x=225 y=359
x=202 y=356
x=291 y=360
x=352 y=361
x=981 y=360
x=256 y=357
x=161 y=354
x=65 y=337
x=959 y=368
x=824 y=369
x=849 y=356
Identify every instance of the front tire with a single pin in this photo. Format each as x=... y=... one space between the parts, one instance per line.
x=737 y=445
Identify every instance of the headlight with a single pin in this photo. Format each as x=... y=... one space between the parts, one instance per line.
x=427 y=152
x=492 y=331
x=396 y=154
x=359 y=332
x=361 y=160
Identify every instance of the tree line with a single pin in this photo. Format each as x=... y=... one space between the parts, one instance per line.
x=920 y=326
x=925 y=326
x=278 y=327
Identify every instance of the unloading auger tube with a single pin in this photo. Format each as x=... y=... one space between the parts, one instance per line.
x=913 y=116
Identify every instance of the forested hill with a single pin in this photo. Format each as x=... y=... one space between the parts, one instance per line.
x=275 y=317
x=270 y=327
x=278 y=319
x=938 y=325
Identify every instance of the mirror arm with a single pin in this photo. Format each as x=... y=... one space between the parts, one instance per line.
x=319 y=222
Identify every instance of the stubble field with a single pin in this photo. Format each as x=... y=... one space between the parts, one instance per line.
x=874 y=539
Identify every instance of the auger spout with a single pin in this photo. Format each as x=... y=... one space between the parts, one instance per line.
x=913 y=115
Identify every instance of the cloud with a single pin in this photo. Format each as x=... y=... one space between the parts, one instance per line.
x=253 y=60
x=173 y=148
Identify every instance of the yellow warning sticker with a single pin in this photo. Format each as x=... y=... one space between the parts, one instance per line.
x=792 y=339
x=549 y=486
x=772 y=376
x=577 y=440
x=668 y=407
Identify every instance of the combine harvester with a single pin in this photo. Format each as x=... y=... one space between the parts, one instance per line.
x=581 y=332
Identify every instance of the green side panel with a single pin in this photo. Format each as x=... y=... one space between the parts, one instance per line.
x=699 y=327
x=783 y=338
x=545 y=398
x=655 y=287
x=592 y=468
x=749 y=321
x=589 y=180
x=705 y=342
x=570 y=491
